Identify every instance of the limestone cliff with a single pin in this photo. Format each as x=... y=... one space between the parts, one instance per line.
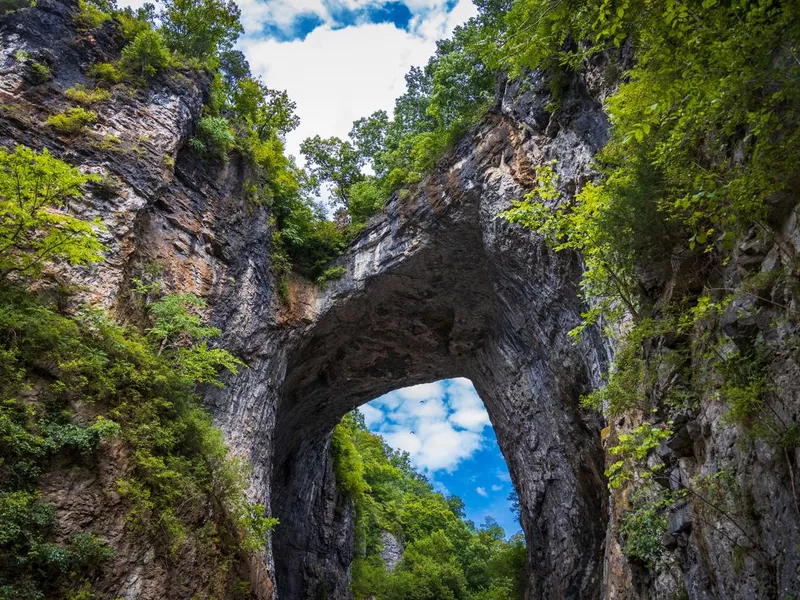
x=437 y=286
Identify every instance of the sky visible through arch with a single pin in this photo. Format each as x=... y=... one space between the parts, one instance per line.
x=445 y=429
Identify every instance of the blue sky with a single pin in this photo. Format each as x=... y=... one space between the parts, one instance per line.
x=445 y=429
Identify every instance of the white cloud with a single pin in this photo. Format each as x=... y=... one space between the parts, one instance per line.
x=481 y=492
x=469 y=410
x=503 y=476
x=497 y=488
x=439 y=424
x=280 y=13
x=408 y=441
x=423 y=391
x=339 y=75
x=372 y=416
x=435 y=22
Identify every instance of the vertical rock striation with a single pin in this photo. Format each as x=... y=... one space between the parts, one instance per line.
x=440 y=286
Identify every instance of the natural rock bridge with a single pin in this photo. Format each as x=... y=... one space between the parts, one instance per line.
x=437 y=287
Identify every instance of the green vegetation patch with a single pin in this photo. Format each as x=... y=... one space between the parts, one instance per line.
x=71 y=383
x=445 y=556
x=87 y=97
x=72 y=121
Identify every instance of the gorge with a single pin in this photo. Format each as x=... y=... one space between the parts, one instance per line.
x=437 y=285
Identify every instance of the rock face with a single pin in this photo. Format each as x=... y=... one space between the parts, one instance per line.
x=392 y=550
x=437 y=286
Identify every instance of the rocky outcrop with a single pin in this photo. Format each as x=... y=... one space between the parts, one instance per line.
x=391 y=551
x=437 y=286
x=164 y=210
x=734 y=535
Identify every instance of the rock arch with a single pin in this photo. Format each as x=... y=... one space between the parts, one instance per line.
x=438 y=286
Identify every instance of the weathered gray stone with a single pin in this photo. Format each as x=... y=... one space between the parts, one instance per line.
x=392 y=550
x=680 y=519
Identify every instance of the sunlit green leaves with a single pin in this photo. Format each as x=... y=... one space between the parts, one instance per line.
x=201 y=29
x=146 y=54
x=445 y=556
x=34 y=227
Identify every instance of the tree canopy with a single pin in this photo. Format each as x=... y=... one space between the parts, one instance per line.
x=445 y=556
x=35 y=188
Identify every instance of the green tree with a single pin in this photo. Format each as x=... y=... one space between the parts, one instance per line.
x=369 y=137
x=233 y=67
x=333 y=160
x=35 y=189
x=179 y=329
x=429 y=570
x=201 y=29
x=133 y=22
x=146 y=55
x=445 y=556
x=214 y=137
x=267 y=112
x=365 y=198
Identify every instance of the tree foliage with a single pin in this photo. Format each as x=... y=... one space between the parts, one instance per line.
x=201 y=29
x=146 y=55
x=335 y=161
x=35 y=228
x=267 y=112
x=444 y=556
x=70 y=384
x=703 y=130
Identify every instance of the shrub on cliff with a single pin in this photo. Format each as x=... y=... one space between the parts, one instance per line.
x=145 y=401
x=87 y=97
x=34 y=229
x=201 y=29
x=92 y=14
x=70 y=384
x=105 y=73
x=72 y=121
x=213 y=138
x=146 y=55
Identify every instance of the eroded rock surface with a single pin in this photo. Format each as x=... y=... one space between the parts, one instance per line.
x=440 y=286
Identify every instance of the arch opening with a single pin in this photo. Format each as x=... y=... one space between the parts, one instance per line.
x=445 y=431
x=429 y=487
x=438 y=431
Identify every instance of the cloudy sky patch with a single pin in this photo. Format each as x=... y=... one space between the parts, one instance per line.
x=439 y=424
x=340 y=60
x=445 y=429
